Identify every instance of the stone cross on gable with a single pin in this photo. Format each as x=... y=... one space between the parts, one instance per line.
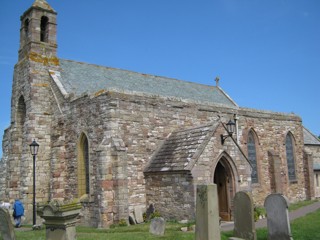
x=217 y=79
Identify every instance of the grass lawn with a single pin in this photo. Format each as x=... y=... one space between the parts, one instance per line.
x=305 y=228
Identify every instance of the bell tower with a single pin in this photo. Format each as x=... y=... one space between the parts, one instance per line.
x=38 y=31
x=32 y=107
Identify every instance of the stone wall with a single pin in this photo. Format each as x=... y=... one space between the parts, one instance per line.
x=31 y=119
x=137 y=124
x=3 y=166
x=271 y=130
x=172 y=194
x=142 y=122
x=313 y=152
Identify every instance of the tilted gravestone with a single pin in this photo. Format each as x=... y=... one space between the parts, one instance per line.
x=244 y=226
x=157 y=226
x=278 y=217
x=207 y=213
x=138 y=214
x=6 y=227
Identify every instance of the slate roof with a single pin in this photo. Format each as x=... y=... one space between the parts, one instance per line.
x=181 y=149
x=309 y=138
x=80 y=78
x=316 y=166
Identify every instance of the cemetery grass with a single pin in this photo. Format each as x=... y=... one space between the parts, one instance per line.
x=305 y=228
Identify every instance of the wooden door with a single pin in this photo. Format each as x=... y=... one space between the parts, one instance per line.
x=221 y=180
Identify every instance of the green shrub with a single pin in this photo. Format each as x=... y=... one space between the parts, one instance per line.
x=155 y=214
x=123 y=223
x=259 y=211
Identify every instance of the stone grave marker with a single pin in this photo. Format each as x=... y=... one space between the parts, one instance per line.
x=60 y=219
x=207 y=213
x=138 y=214
x=244 y=226
x=278 y=217
x=157 y=226
x=6 y=227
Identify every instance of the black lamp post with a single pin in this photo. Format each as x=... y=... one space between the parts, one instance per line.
x=34 y=146
x=231 y=126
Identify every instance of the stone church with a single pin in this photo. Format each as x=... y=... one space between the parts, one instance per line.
x=119 y=140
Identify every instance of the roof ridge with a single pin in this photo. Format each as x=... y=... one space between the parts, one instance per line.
x=193 y=128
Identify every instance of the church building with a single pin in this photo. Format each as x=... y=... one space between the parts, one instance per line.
x=118 y=140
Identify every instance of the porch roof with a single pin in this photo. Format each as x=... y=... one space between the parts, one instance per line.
x=181 y=149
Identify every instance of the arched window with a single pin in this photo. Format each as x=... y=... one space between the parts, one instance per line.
x=252 y=156
x=290 y=158
x=44 y=26
x=26 y=28
x=21 y=112
x=83 y=166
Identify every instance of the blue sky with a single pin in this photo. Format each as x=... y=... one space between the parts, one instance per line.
x=266 y=52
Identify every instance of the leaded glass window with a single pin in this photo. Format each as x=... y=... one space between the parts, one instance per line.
x=83 y=166
x=290 y=158
x=252 y=156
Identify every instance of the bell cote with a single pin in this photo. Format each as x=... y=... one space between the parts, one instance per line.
x=38 y=32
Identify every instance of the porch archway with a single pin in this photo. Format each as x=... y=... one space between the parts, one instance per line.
x=225 y=179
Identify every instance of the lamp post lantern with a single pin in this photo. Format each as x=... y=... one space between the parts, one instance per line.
x=230 y=127
x=34 y=146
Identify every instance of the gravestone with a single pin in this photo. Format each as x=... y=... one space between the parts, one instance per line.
x=138 y=214
x=157 y=226
x=278 y=217
x=6 y=227
x=244 y=226
x=207 y=213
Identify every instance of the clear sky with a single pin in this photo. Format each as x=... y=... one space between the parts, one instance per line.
x=266 y=52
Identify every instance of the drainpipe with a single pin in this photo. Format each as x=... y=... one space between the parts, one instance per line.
x=236 y=118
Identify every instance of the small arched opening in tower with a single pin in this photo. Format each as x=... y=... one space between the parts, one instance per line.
x=44 y=35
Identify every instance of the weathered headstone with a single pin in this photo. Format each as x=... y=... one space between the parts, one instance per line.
x=157 y=226
x=138 y=214
x=6 y=227
x=207 y=213
x=244 y=226
x=278 y=217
